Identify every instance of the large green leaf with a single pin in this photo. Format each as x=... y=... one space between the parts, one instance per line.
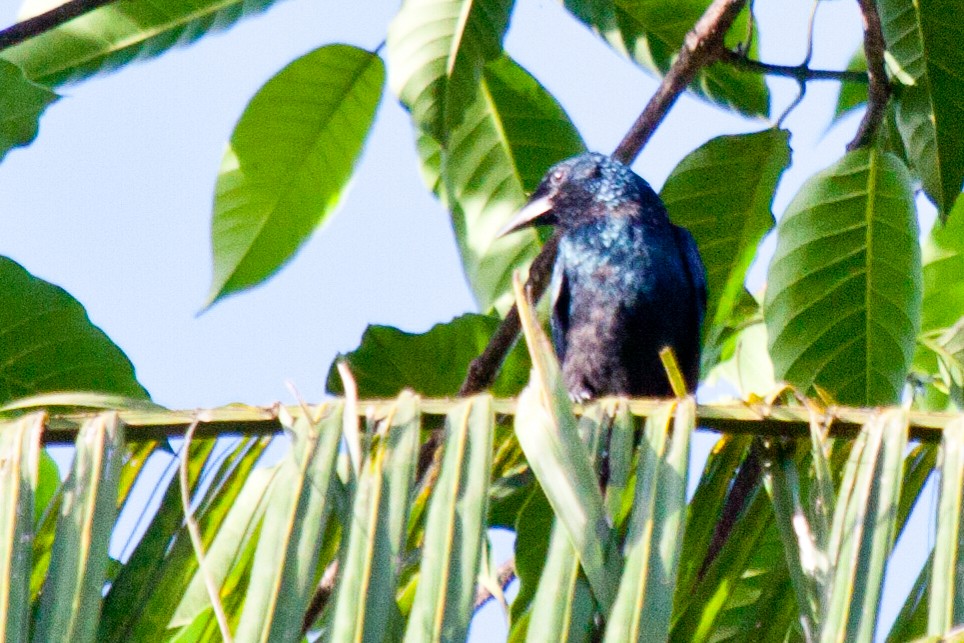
x=432 y=364
x=119 y=33
x=512 y=131
x=926 y=46
x=21 y=104
x=291 y=156
x=843 y=298
x=49 y=343
x=651 y=33
x=437 y=49
x=722 y=193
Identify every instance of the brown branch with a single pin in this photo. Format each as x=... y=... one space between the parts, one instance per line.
x=485 y=367
x=702 y=46
x=27 y=29
x=878 y=91
x=801 y=73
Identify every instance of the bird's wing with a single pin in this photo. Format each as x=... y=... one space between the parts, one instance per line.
x=559 y=291
x=694 y=266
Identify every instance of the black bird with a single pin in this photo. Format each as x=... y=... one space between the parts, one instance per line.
x=626 y=282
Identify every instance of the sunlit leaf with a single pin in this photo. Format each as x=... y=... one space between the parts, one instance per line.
x=437 y=49
x=926 y=46
x=513 y=131
x=119 y=33
x=49 y=343
x=289 y=161
x=843 y=297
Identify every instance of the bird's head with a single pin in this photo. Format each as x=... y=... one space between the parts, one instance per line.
x=582 y=189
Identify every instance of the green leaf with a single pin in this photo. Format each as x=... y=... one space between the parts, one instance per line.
x=843 y=298
x=365 y=606
x=926 y=45
x=546 y=429
x=137 y=579
x=20 y=451
x=108 y=38
x=722 y=193
x=852 y=95
x=654 y=539
x=942 y=254
x=563 y=606
x=534 y=521
x=651 y=34
x=432 y=364
x=231 y=502
x=291 y=156
x=455 y=528
x=946 y=596
x=21 y=104
x=863 y=527
x=436 y=50
x=71 y=599
x=805 y=556
x=513 y=131
x=283 y=572
x=50 y=345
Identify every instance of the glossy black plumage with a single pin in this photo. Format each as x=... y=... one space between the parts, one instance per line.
x=626 y=281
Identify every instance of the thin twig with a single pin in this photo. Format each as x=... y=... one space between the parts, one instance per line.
x=214 y=593
x=504 y=576
x=878 y=91
x=27 y=29
x=701 y=47
x=799 y=72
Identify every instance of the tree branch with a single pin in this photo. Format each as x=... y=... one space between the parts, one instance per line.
x=878 y=91
x=701 y=47
x=801 y=73
x=27 y=29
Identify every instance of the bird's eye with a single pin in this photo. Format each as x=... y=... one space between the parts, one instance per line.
x=556 y=177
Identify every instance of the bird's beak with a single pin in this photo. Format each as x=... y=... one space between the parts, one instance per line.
x=536 y=212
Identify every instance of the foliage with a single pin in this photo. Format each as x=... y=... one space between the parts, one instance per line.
x=608 y=544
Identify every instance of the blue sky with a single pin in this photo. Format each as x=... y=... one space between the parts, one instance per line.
x=113 y=200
